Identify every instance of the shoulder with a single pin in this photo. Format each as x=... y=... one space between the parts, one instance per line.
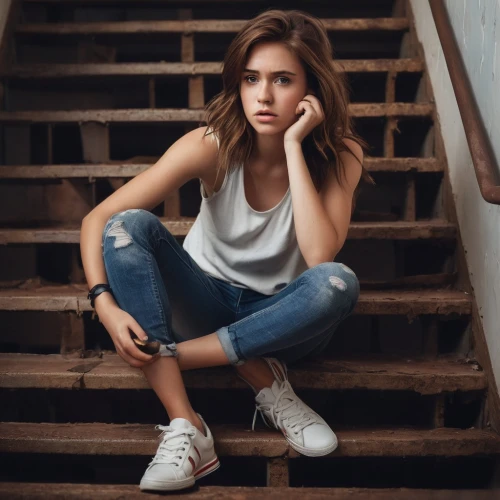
x=200 y=148
x=354 y=147
x=206 y=143
x=201 y=138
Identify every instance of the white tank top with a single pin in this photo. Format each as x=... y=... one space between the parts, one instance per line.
x=246 y=248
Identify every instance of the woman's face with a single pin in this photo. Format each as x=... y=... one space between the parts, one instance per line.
x=275 y=80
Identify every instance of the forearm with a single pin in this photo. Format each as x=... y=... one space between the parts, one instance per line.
x=316 y=235
x=93 y=262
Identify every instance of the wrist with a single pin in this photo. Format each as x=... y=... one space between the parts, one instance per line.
x=292 y=144
x=104 y=302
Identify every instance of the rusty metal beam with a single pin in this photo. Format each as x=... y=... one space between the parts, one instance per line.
x=145 y=115
x=104 y=170
x=179 y=226
x=196 y=26
x=371 y=302
x=190 y=68
x=142 y=439
x=483 y=157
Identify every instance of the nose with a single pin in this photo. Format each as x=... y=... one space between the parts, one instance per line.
x=264 y=94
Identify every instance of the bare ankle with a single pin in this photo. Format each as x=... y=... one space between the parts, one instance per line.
x=257 y=373
x=195 y=420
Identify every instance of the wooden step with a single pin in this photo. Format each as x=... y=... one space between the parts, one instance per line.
x=364 y=110
x=104 y=170
x=180 y=226
x=35 y=71
x=53 y=371
x=196 y=26
x=232 y=440
x=400 y=302
x=77 y=491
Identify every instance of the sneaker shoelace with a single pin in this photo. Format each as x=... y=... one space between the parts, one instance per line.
x=288 y=410
x=173 y=441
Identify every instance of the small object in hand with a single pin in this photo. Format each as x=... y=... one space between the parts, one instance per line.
x=147 y=347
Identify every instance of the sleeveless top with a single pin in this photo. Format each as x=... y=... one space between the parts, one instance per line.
x=248 y=249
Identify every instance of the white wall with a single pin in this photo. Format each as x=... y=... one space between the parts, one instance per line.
x=475 y=26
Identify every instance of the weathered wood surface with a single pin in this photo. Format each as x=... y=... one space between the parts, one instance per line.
x=77 y=491
x=399 y=230
x=368 y=110
x=231 y=440
x=74 y=491
x=189 y=69
x=102 y=170
x=401 y=302
x=53 y=371
x=196 y=26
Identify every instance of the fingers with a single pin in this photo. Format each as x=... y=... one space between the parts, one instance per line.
x=132 y=360
x=315 y=103
x=130 y=349
x=136 y=328
x=313 y=106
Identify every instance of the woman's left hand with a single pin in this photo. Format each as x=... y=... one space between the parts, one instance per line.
x=312 y=116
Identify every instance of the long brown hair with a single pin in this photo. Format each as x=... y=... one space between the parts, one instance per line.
x=307 y=38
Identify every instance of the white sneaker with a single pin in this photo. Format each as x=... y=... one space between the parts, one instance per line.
x=282 y=409
x=184 y=455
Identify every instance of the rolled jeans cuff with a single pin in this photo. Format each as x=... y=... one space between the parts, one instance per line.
x=169 y=350
x=227 y=346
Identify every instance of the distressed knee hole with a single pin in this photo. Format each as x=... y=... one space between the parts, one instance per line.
x=122 y=238
x=338 y=283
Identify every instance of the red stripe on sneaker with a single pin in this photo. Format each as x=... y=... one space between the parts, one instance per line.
x=196 y=449
x=191 y=461
x=203 y=469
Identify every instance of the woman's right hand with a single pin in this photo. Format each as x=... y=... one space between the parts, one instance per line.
x=119 y=323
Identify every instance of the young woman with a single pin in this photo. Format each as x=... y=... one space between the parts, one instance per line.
x=255 y=284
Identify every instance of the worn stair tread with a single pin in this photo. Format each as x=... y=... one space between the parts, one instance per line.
x=195 y=68
x=78 y=491
x=180 y=226
x=196 y=26
x=117 y=169
x=425 y=376
x=234 y=440
x=407 y=302
x=145 y=115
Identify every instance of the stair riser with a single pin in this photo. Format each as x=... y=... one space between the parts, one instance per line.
x=358 y=334
x=242 y=471
x=339 y=408
x=170 y=91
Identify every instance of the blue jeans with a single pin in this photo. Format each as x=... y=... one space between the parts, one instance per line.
x=157 y=282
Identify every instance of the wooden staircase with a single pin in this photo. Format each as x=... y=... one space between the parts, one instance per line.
x=94 y=91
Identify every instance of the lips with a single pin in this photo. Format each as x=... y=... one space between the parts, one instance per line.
x=265 y=113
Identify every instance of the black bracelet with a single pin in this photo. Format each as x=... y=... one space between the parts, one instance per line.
x=97 y=290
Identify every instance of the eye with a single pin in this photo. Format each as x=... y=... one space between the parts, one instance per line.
x=287 y=80
x=247 y=77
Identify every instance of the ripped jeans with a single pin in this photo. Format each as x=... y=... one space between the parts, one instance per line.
x=157 y=282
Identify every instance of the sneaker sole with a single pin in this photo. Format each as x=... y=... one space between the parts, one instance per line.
x=313 y=453
x=182 y=483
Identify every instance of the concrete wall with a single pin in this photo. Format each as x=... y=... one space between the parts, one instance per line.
x=475 y=26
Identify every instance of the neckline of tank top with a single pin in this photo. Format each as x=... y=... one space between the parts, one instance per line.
x=265 y=212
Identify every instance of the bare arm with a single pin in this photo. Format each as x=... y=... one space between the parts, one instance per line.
x=192 y=156
x=321 y=219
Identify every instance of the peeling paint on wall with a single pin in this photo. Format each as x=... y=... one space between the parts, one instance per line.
x=474 y=24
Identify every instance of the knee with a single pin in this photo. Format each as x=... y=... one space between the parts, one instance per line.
x=123 y=228
x=335 y=284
